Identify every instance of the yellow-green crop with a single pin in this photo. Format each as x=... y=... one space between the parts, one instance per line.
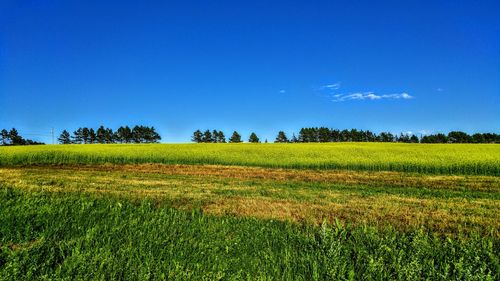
x=478 y=159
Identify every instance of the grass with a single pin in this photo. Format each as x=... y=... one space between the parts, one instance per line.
x=443 y=204
x=460 y=159
x=47 y=235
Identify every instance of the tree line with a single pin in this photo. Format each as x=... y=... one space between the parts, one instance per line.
x=461 y=137
x=12 y=137
x=214 y=136
x=84 y=135
x=323 y=134
x=144 y=134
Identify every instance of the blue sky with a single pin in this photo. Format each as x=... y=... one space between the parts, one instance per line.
x=263 y=66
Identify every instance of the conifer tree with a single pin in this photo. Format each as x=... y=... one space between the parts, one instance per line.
x=92 y=136
x=221 y=137
x=109 y=135
x=5 y=137
x=281 y=138
x=197 y=136
x=413 y=139
x=64 y=138
x=207 y=136
x=215 y=136
x=77 y=136
x=253 y=138
x=235 y=137
x=85 y=135
x=101 y=135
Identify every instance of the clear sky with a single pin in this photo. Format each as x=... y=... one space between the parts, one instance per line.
x=263 y=66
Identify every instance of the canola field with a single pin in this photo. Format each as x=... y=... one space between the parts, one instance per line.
x=473 y=159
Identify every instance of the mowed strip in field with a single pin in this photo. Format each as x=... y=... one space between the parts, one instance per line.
x=443 y=204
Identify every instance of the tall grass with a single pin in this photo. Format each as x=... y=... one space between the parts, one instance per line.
x=473 y=159
x=75 y=236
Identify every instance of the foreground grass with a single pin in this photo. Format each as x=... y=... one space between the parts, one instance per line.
x=445 y=205
x=60 y=235
x=474 y=159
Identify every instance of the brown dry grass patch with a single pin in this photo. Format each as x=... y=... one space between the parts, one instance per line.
x=263 y=193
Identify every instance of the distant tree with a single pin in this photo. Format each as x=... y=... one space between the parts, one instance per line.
x=207 y=136
x=281 y=138
x=253 y=138
x=197 y=136
x=92 y=136
x=64 y=138
x=478 y=138
x=15 y=138
x=142 y=134
x=437 y=138
x=414 y=139
x=235 y=137
x=491 y=138
x=265 y=141
x=345 y=135
x=109 y=135
x=404 y=138
x=127 y=135
x=138 y=134
x=302 y=135
x=101 y=135
x=221 y=137
x=386 y=137
x=459 y=137
x=323 y=134
x=5 y=137
x=370 y=136
x=120 y=135
x=77 y=136
x=32 y=142
x=294 y=139
x=335 y=135
x=426 y=139
x=441 y=138
x=215 y=136
x=85 y=135
x=357 y=135
x=151 y=135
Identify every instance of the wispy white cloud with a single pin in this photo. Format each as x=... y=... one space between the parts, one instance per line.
x=369 y=96
x=403 y=95
x=282 y=91
x=332 y=92
x=334 y=86
x=439 y=89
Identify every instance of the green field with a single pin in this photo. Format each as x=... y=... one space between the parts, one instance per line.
x=482 y=159
x=344 y=211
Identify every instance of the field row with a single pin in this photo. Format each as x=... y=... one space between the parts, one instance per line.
x=473 y=159
x=45 y=235
x=443 y=204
